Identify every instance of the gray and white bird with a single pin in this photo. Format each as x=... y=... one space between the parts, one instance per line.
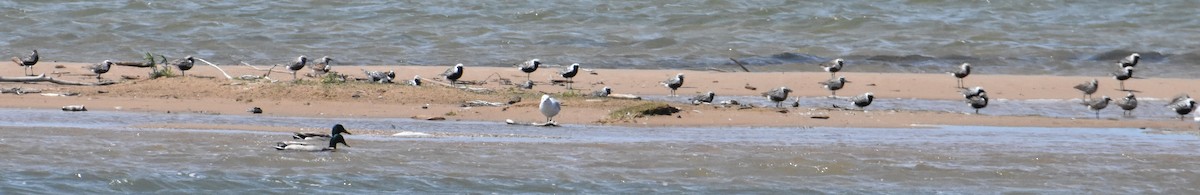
x=862 y=101
x=1122 y=75
x=1128 y=104
x=416 y=81
x=335 y=130
x=528 y=84
x=833 y=66
x=703 y=98
x=101 y=68
x=184 y=64
x=297 y=65
x=978 y=102
x=1097 y=104
x=834 y=84
x=964 y=70
x=1182 y=105
x=27 y=62
x=380 y=76
x=529 y=66
x=777 y=95
x=549 y=107
x=306 y=147
x=322 y=66
x=453 y=73
x=972 y=92
x=674 y=83
x=1088 y=88
x=570 y=73
x=1130 y=61
x=603 y=92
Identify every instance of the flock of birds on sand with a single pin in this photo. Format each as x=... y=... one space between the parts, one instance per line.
x=974 y=97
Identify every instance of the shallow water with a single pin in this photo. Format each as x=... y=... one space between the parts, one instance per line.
x=74 y=154
x=1005 y=37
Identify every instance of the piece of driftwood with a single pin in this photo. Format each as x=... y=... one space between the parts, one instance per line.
x=44 y=78
x=218 y=68
x=549 y=124
x=478 y=103
x=740 y=64
x=74 y=108
x=624 y=96
x=20 y=91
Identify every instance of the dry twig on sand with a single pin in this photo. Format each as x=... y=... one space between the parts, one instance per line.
x=218 y=68
x=44 y=78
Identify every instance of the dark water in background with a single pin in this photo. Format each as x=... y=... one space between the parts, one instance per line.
x=100 y=152
x=999 y=37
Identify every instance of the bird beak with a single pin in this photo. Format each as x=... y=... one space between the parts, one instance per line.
x=347 y=132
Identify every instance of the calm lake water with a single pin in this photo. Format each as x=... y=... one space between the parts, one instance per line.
x=998 y=37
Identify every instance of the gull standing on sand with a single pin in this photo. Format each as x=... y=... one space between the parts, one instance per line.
x=978 y=101
x=416 y=81
x=300 y=146
x=1122 y=75
x=1130 y=61
x=674 y=83
x=964 y=70
x=703 y=98
x=1097 y=104
x=862 y=101
x=184 y=64
x=335 y=130
x=297 y=65
x=1182 y=105
x=1088 y=88
x=570 y=73
x=777 y=95
x=101 y=68
x=529 y=66
x=27 y=62
x=834 y=84
x=381 y=77
x=453 y=73
x=603 y=92
x=1128 y=104
x=322 y=66
x=549 y=107
x=833 y=67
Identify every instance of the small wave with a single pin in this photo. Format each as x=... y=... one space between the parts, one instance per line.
x=412 y=134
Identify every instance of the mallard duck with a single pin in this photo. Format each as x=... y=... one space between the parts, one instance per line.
x=300 y=146
x=337 y=130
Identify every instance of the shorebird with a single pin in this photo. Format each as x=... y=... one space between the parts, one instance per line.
x=1128 y=104
x=603 y=92
x=833 y=66
x=972 y=92
x=1097 y=104
x=306 y=147
x=674 y=83
x=335 y=130
x=777 y=95
x=862 y=101
x=1182 y=105
x=381 y=77
x=1088 y=88
x=297 y=65
x=1122 y=75
x=703 y=98
x=529 y=66
x=1130 y=61
x=101 y=68
x=416 y=81
x=322 y=66
x=527 y=85
x=978 y=102
x=184 y=64
x=27 y=62
x=549 y=107
x=453 y=73
x=964 y=70
x=570 y=73
x=834 y=84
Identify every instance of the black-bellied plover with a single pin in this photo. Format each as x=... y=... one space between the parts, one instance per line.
x=570 y=73
x=453 y=73
x=862 y=101
x=297 y=65
x=978 y=102
x=101 y=68
x=184 y=64
x=703 y=98
x=834 y=84
x=300 y=146
x=674 y=83
x=529 y=66
x=833 y=66
x=336 y=129
x=603 y=92
x=416 y=81
x=972 y=92
x=1097 y=104
x=964 y=70
x=777 y=95
x=1128 y=104
x=1182 y=105
x=322 y=66
x=528 y=84
x=1122 y=75
x=27 y=62
x=380 y=77
x=1130 y=61
x=1088 y=88
x=549 y=107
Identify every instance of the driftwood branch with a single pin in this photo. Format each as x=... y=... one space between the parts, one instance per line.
x=218 y=68
x=740 y=64
x=44 y=78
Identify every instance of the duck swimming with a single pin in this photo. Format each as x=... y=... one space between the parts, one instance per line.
x=306 y=147
x=337 y=129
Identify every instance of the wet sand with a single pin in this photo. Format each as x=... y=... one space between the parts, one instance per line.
x=214 y=94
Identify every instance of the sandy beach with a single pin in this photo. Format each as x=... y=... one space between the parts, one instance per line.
x=206 y=91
